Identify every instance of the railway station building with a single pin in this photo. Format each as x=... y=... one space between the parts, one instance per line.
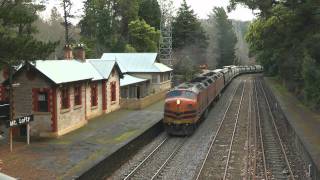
x=145 y=82
x=63 y=95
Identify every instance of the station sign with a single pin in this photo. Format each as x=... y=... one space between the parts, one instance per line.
x=20 y=121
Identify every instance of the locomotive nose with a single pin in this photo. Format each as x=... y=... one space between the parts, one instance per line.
x=179 y=106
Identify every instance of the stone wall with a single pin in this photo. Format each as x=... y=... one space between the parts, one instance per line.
x=22 y=98
x=113 y=106
x=73 y=117
x=137 y=104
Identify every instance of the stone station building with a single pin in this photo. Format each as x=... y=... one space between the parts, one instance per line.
x=64 y=94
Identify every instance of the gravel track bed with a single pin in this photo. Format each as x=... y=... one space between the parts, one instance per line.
x=137 y=158
x=185 y=164
x=153 y=164
x=216 y=161
x=297 y=164
x=257 y=167
x=275 y=161
x=238 y=159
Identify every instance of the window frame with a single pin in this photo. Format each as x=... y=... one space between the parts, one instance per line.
x=77 y=94
x=63 y=100
x=94 y=99
x=113 y=92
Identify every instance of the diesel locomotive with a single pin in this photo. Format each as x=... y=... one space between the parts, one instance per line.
x=188 y=104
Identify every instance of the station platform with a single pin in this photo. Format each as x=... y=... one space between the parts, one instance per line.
x=75 y=153
x=305 y=122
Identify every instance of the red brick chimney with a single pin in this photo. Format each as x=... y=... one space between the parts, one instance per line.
x=80 y=53
x=68 y=55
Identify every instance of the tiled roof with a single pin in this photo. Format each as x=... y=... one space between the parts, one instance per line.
x=136 y=62
x=128 y=80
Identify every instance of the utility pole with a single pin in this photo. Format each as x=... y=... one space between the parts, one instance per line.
x=165 y=42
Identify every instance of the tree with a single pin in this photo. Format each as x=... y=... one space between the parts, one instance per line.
x=128 y=11
x=150 y=11
x=67 y=5
x=284 y=38
x=189 y=34
x=143 y=37
x=100 y=26
x=17 y=43
x=226 y=38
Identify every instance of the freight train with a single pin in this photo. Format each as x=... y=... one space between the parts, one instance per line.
x=188 y=104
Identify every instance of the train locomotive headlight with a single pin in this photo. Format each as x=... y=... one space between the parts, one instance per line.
x=178 y=102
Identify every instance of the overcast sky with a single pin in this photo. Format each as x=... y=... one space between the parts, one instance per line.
x=201 y=7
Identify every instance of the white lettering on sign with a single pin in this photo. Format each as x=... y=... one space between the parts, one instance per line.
x=13 y=123
x=20 y=121
x=24 y=120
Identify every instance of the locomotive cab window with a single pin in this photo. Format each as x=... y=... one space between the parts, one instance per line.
x=182 y=94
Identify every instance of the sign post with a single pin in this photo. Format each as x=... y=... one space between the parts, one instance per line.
x=25 y=120
x=28 y=133
x=10 y=139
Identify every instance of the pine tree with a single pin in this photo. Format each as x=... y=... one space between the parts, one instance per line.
x=189 y=37
x=226 y=38
x=149 y=10
x=17 y=43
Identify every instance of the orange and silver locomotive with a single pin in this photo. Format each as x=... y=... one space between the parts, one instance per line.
x=187 y=104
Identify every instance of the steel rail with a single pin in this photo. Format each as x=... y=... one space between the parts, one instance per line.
x=214 y=135
x=249 y=132
x=234 y=133
x=277 y=132
x=168 y=159
x=145 y=159
x=260 y=134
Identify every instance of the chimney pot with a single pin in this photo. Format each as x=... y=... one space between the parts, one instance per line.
x=80 y=52
x=68 y=55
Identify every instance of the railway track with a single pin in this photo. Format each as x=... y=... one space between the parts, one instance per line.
x=251 y=138
x=154 y=164
x=216 y=162
x=274 y=158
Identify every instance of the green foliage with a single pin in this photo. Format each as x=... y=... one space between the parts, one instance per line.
x=186 y=67
x=105 y=26
x=17 y=43
x=99 y=26
x=143 y=37
x=189 y=34
x=129 y=49
x=226 y=39
x=150 y=11
x=285 y=39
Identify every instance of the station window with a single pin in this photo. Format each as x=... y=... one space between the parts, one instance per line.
x=94 y=95
x=77 y=95
x=43 y=102
x=113 y=92
x=40 y=100
x=154 y=78
x=65 y=98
